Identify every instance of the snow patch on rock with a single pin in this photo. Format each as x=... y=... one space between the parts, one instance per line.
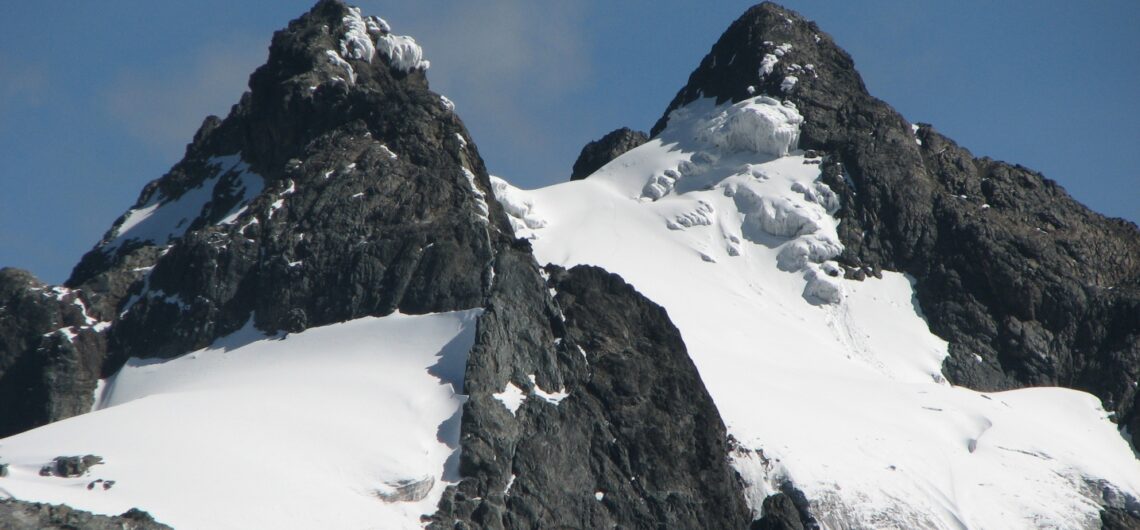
x=356 y=43
x=553 y=398
x=788 y=83
x=480 y=197
x=512 y=397
x=403 y=53
x=162 y=219
x=768 y=65
x=338 y=61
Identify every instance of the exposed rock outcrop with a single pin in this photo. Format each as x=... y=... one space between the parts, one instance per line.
x=609 y=395
x=19 y=515
x=51 y=349
x=599 y=152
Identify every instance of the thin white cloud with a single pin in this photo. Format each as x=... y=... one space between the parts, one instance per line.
x=21 y=84
x=165 y=109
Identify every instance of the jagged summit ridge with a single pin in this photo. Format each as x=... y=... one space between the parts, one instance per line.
x=321 y=197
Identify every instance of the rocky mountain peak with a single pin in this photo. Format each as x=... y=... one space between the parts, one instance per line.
x=997 y=249
x=773 y=51
x=338 y=186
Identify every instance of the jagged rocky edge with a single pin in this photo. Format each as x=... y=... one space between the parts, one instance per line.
x=912 y=200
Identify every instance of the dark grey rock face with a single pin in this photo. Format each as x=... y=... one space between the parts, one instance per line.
x=635 y=442
x=50 y=352
x=1027 y=285
x=363 y=195
x=70 y=466
x=19 y=515
x=779 y=514
x=1119 y=519
x=601 y=151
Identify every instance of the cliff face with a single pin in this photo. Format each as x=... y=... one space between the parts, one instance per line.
x=613 y=426
x=1029 y=287
x=338 y=187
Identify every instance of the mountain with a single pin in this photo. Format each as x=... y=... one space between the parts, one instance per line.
x=785 y=307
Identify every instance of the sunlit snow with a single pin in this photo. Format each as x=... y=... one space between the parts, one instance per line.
x=832 y=384
x=308 y=430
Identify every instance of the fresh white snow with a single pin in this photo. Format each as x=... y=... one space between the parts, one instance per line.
x=403 y=52
x=512 y=397
x=308 y=430
x=356 y=43
x=832 y=384
x=767 y=64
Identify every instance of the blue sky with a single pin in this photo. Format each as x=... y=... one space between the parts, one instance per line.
x=98 y=98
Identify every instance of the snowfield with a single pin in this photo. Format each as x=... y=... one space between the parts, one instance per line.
x=831 y=384
x=352 y=425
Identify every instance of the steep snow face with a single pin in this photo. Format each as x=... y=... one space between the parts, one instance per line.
x=352 y=425
x=831 y=384
x=164 y=218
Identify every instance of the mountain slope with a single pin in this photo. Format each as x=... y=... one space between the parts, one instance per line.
x=321 y=317
x=746 y=242
x=1010 y=268
x=285 y=332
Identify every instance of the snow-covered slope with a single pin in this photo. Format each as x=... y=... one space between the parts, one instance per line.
x=318 y=429
x=831 y=384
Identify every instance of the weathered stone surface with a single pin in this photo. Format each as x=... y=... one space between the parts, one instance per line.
x=630 y=401
x=374 y=200
x=1027 y=285
x=50 y=352
x=19 y=515
x=1119 y=519
x=601 y=151
x=779 y=514
x=70 y=466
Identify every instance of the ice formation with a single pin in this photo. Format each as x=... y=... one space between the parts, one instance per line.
x=519 y=208
x=760 y=124
x=403 y=52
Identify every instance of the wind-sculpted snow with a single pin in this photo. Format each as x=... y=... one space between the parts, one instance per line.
x=832 y=385
x=403 y=51
x=352 y=425
x=761 y=124
x=519 y=209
